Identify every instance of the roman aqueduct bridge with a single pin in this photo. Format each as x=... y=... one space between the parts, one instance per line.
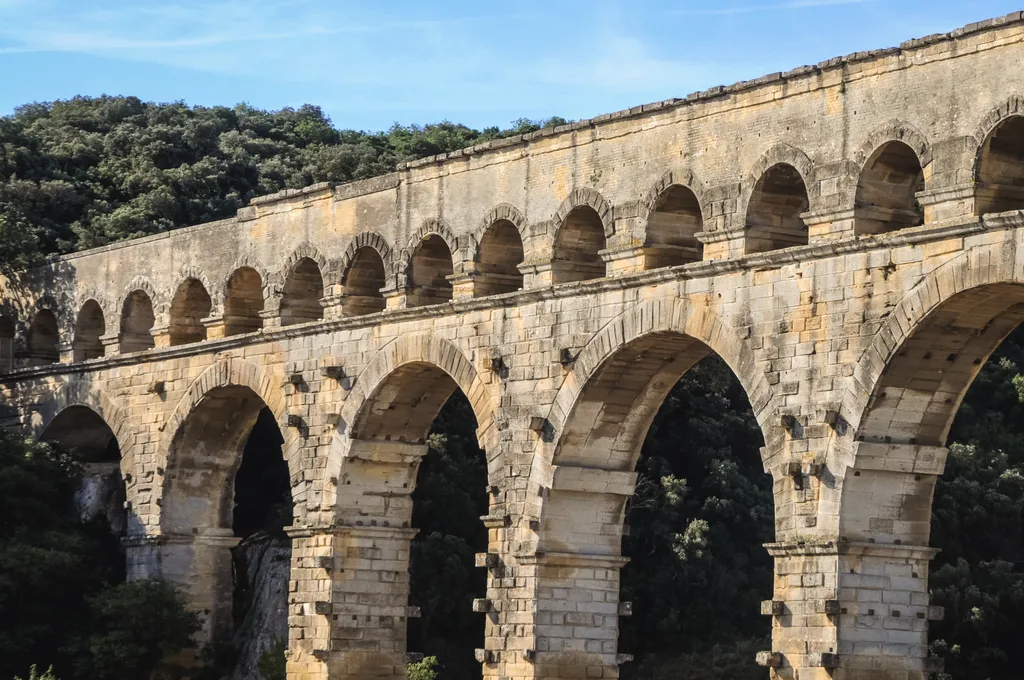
x=846 y=236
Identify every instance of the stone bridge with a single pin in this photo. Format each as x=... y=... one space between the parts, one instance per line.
x=845 y=236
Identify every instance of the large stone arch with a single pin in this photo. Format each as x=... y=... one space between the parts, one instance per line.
x=425 y=349
x=229 y=372
x=78 y=392
x=974 y=269
x=659 y=316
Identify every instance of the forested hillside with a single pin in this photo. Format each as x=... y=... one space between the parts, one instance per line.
x=91 y=171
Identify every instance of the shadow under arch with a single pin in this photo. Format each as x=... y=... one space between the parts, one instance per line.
x=376 y=461
x=600 y=420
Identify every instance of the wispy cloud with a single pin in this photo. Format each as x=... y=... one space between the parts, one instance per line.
x=772 y=7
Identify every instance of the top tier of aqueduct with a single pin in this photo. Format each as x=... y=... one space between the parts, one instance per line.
x=742 y=153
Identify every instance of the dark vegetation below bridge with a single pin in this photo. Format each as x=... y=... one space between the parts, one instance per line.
x=92 y=171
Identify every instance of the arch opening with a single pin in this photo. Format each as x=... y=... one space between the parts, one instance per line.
x=578 y=245
x=86 y=436
x=415 y=438
x=243 y=302
x=363 y=283
x=662 y=439
x=303 y=291
x=226 y=501
x=948 y=402
x=430 y=269
x=43 y=345
x=887 y=191
x=7 y=332
x=672 y=227
x=191 y=304
x=137 y=321
x=999 y=178
x=774 y=212
x=498 y=260
x=89 y=328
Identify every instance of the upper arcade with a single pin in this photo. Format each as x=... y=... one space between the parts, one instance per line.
x=924 y=136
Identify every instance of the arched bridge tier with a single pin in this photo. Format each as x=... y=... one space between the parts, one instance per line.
x=847 y=237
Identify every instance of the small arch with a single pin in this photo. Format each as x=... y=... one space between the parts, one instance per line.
x=89 y=328
x=673 y=222
x=578 y=244
x=243 y=302
x=430 y=267
x=190 y=305
x=497 y=260
x=7 y=333
x=887 y=189
x=43 y=339
x=999 y=171
x=362 y=282
x=778 y=200
x=303 y=290
x=137 y=320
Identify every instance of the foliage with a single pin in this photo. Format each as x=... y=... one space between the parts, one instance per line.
x=701 y=512
x=33 y=674
x=59 y=598
x=978 y=522
x=273 y=660
x=89 y=171
x=425 y=669
x=134 y=627
x=449 y=499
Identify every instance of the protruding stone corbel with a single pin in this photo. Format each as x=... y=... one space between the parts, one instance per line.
x=485 y=656
x=488 y=560
x=481 y=605
x=773 y=607
x=769 y=659
x=413 y=612
x=625 y=608
x=623 y=658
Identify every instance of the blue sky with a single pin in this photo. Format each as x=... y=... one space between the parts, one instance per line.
x=369 y=64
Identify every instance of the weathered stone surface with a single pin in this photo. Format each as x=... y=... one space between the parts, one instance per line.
x=847 y=237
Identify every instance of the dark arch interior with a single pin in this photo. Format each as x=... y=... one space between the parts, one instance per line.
x=303 y=290
x=137 y=321
x=6 y=344
x=429 y=269
x=886 y=192
x=773 y=214
x=191 y=304
x=1000 y=174
x=43 y=340
x=84 y=434
x=578 y=245
x=498 y=260
x=243 y=302
x=672 y=227
x=363 y=282
x=89 y=328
